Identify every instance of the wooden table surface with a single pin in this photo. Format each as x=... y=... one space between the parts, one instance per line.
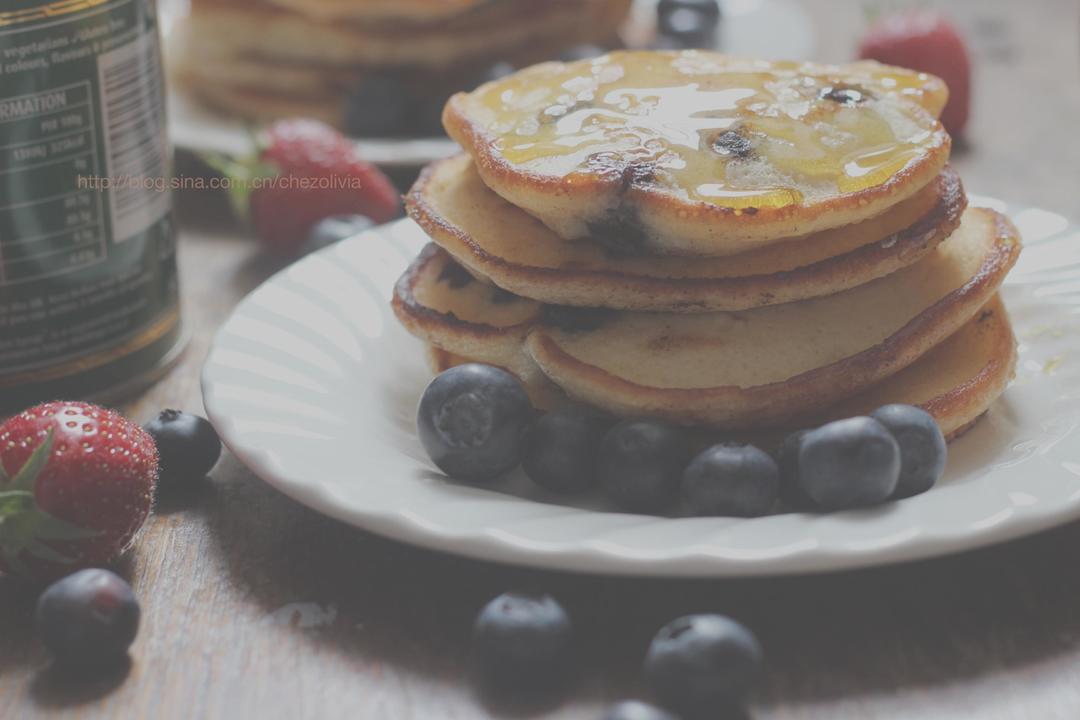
x=256 y=607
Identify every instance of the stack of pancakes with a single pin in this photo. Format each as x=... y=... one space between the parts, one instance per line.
x=720 y=242
x=264 y=59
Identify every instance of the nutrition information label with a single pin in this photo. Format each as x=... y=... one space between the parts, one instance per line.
x=45 y=178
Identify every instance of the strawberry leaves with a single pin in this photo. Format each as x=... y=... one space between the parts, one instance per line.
x=27 y=474
x=24 y=527
x=242 y=176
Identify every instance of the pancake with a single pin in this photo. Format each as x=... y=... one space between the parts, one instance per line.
x=758 y=368
x=518 y=253
x=956 y=382
x=255 y=28
x=764 y=366
x=695 y=152
x=199 y=63
x=438 y=301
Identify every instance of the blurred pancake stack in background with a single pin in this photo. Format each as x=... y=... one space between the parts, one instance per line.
x=371 y=67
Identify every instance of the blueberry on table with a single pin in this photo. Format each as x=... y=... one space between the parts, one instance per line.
x=89 y=618
x=379 y=106
x=522 y=641
x=731 y=479
x=334 y=229
x=701 y=664
x=188 y=446
x=636 y=710
x=923 y=450
x=639 y=464
x=849 y=463
x=471 y=421
x=559 y=451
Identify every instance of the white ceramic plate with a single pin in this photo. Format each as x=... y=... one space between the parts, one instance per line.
x=313 y=385
x=755 y=28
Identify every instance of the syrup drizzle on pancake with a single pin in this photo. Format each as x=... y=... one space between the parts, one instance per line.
x=740 y=134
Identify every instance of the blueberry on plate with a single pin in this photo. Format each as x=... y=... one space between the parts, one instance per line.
x=922 y=447
x=187 y=445
x=787 y=458
x=379 y=106
x=522 y=641
x=849 y=463
x=89 y=618
x=731 y=479
x=334 y=229
x=471 y=421
x=559 y=451
x=639 y=464
x=700 y=664
x=636 y=710
x=692 y=23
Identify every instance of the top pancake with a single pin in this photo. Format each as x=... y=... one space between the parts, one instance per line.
x=699 y=153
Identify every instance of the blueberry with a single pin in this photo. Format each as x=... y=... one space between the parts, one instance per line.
x=639 y=463
x=849 y=463
x=581 y=52
x=787 y=458
x=731 y=479
x=187 y=445
x=522 y=641
x=922 y=447
x=636 y=710
x=699 y=664
x=845 y=95
x=471 y=420
x=691 y=23
x=88 y=618
x=559 y=451
x=734 y=144
x=335 y=228
x=378 y=107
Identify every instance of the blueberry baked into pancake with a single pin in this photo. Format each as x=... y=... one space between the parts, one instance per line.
x=739 y=247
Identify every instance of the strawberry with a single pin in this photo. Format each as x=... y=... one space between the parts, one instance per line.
x=76 y=483
x=926 y=41
x=303 y=172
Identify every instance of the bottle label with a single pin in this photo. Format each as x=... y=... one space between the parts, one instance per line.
x=87 y=239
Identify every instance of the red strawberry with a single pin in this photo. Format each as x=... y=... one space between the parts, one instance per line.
x=926 y=41
x=76 y=483
x=304 y=172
